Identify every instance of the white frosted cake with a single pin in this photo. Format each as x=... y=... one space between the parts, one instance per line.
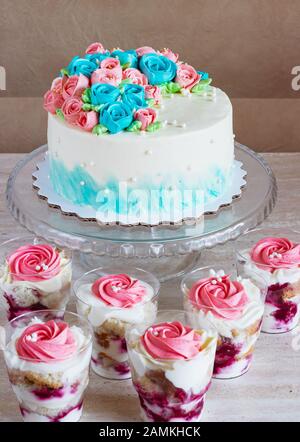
x=138 y=135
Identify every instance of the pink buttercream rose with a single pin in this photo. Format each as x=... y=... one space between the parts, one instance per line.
x=74 y=86
x=71 y=109
x=154 y=93
x=166 y=52
x=145 y=50
x=95 y=48
x=135 y=76
x=106 y=76
x=146 y=116
x=87 y=120
x=187 y=76
x=220 y=296
x=113 y=65
x=52 y=101
x=119 y=291
x=276 y=253
x=57 y=85
x=47 y=342
x=171 y=340
x=34 y=263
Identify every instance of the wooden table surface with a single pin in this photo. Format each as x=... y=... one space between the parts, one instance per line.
x=270 y=391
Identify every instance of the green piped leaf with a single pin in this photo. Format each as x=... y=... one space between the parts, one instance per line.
x=125 y=66
x=100 y=129
x=154 y=126
x=86 y=107
x=201 y=86
x=173 y=88
x=150 y=102
x=86 y=96
x=60 y=114
x=64 y=71
x=135 y=126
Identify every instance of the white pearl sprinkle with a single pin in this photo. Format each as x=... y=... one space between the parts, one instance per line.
x=106 y=191
x=92 y=164
x=148 y=152
x=82 y=183
x=214 y=281
x=162 y=106
x=37 y=268
x=164 y=123
x=132 y=179
x=219 y=279
x=174 y=123
x=239 y=278
x=83 y=165
x=45 y=267
x=183 y=125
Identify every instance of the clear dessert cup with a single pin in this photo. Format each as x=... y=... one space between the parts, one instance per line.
x=113 y=299
x=34 y=275
x=234 y=304
x=274 y=253
x=47 y=355
x=171 y=366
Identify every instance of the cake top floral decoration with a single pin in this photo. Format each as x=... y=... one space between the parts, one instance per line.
x=106 y=92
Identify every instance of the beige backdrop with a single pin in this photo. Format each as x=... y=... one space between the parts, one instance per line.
x=248 y=46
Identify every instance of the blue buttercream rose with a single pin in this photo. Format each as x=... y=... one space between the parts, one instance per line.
x=116 y=116
x=129 y=58
x=134 y=96
x=204 y=75
x=97 y=57
x=82 y=66
x=102 y=93
x=157 y=68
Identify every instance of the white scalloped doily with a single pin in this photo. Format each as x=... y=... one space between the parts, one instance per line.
x=43 y=185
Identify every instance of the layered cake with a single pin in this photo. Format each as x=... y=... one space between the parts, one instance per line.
x=277 y=260
x=34 y=277
x=171 y=370
x=48 y=367
x=235 y=307
x=138 y=135
x=112 y=304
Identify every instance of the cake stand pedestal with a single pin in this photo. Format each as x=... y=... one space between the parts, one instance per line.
x=167 y=251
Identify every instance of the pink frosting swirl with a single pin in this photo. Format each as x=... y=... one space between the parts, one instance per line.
x=46 y=342
x=145 y=50
x=74 y=86
x=95 y=48
x=107 y=76
x=112 y=65
x=187 y=76
x=166 y=52
x=171 y=340
x=146 y=116
x=136 y=76
x=154 y=93
x=120 y=290
x=71 y=109
x=87 y=120
x=219 y=295
x=275 y=253
x=34 y=263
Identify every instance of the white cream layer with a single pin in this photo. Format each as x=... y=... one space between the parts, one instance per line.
x=193 y=374
x=253 y=312
x=97 y=312
x=67 y=370
x=279 y=276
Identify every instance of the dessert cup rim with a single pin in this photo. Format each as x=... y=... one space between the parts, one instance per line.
x=201 y=307
x=211 y=327
x=47 y=311
x=282 y=233
x=3 y=257
x=77 y=283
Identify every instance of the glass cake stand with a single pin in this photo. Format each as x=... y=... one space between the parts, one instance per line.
x=167 y=251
